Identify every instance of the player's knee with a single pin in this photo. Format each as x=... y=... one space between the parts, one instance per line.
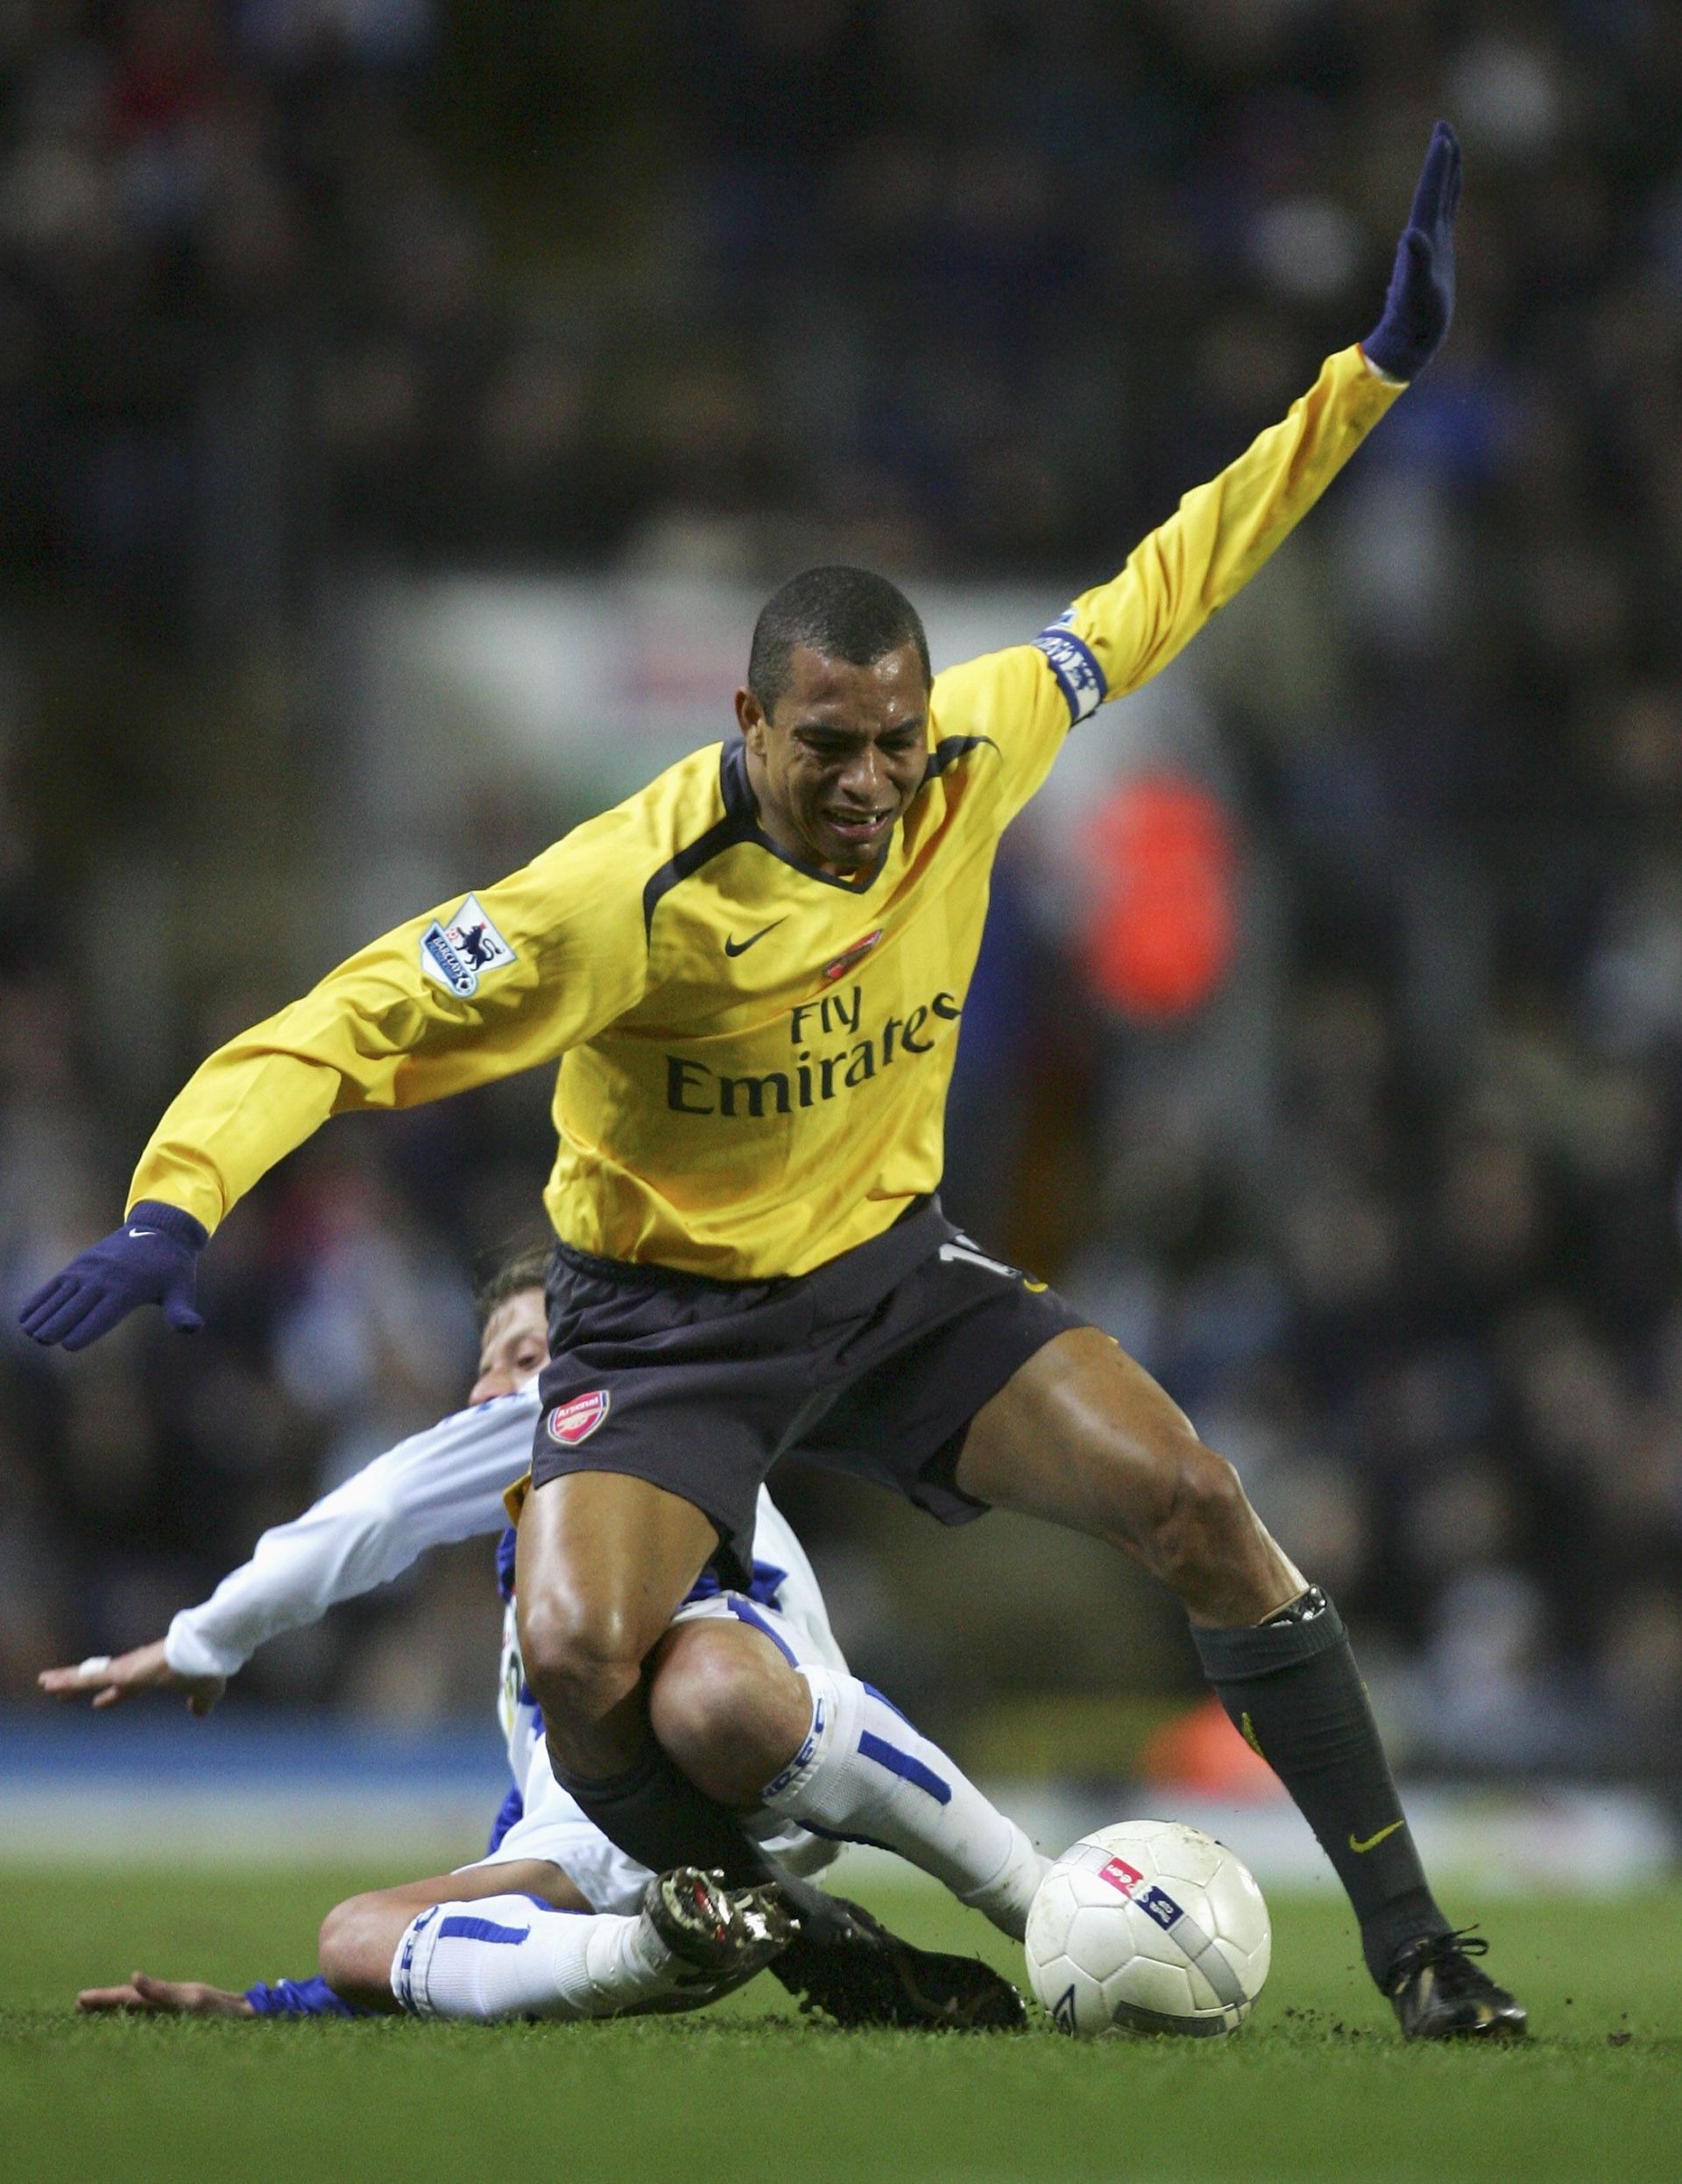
x=729 y=1718
x=700 y=1695
x=1202 y=1512
x=343 y=1949
x=581 y=1657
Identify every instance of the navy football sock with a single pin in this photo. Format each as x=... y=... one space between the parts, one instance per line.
x=656 y=1814
x=1292 y=1689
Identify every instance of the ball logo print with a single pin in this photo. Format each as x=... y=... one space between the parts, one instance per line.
x=1109 y=1945
x=575 y=1420
x=1162 y=1908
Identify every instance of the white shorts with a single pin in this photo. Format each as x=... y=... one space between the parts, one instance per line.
x=554 y=1829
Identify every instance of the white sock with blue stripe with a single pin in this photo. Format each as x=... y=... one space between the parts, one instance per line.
x=510 y=1956
x=865 y=1773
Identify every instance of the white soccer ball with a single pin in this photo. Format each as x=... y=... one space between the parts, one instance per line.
x=1151 y=1926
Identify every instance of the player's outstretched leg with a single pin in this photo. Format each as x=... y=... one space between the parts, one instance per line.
x=762 y=1734
x=508 y=1956
x=1083 y=1437
x=603 y=1561
x=864 y=1771
x=830 y=1752
x=876 y=1977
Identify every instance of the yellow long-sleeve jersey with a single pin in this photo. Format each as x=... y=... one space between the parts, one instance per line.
x=755 y=1055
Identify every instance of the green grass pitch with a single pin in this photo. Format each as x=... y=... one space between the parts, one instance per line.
x=1316 y=2086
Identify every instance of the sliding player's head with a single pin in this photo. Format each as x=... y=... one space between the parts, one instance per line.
x=835 y=714
x=514 y=1327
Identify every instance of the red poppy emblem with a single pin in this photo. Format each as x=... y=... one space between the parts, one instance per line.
x=570 y=1422
x=858 y=949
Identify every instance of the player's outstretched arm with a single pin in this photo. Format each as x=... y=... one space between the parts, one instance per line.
x=153 y=1259
x=1117 y=636
x=1222 y=533
x=110 y=1678
x=437 y=1486
x=458 y=997
x=165 y=1999
x=1420 y=301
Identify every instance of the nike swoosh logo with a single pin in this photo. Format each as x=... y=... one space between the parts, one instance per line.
x=143 y=1232
x=1373 y=1841
x=741 y=947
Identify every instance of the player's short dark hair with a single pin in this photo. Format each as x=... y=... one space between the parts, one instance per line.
x=849 y=614
x=525 y=1271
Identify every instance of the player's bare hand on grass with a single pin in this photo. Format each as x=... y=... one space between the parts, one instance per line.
x=109 y=1679
x=165 y=1999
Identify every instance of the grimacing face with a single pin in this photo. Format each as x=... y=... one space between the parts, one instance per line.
x=836 y=763
x=515 y=1344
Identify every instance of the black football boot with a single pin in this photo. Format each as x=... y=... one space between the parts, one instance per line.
x=1439 y=1994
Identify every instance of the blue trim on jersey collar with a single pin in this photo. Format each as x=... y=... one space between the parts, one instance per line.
x=949 y=748
x=741 y=804
x=741 y=807
x=724 y=834
x=741 y=824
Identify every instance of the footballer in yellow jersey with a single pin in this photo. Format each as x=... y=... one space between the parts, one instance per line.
x=753 y=975
x=757 y=1035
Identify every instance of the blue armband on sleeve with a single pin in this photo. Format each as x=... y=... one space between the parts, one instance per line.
x=1074 y=664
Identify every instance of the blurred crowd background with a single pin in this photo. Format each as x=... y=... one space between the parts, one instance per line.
x=1344 y=1084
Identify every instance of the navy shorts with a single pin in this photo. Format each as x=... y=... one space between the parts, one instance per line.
x=874 y=1364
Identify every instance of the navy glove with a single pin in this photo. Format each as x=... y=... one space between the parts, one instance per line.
x=1420 y=300
x=153 y=1259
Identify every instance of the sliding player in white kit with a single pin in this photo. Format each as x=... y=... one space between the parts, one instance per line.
x=752 y=1695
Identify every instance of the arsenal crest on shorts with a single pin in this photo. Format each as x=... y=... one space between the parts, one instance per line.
x=570 y=1422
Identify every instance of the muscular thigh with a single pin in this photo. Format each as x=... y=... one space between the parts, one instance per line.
x=608 y=1556
x=1081 y=1435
